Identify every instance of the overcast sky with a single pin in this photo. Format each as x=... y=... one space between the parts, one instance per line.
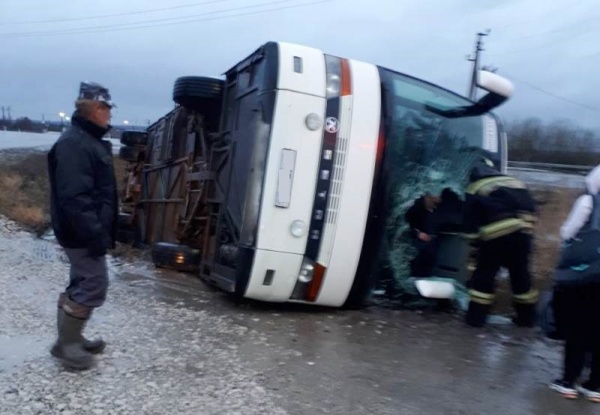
x=541 y=45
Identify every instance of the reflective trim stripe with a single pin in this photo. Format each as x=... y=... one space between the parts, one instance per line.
x=530 y=297
x=527 y=217
x=481 y=297
x=486 y=186
x=502 y=228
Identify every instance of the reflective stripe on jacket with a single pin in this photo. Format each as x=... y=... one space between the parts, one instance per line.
x=486 y=186
x=503 y=228
x=511 y=222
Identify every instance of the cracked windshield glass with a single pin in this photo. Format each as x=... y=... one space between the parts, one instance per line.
x=426 y=152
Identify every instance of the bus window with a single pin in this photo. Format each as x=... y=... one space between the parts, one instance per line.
x=425 y=152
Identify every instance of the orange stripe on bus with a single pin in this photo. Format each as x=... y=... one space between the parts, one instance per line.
x=346 y=79
x=315 y=284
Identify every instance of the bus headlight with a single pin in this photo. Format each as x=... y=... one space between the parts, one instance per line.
x=306 y=272
x=333 y=85
x=298 y=228
x=313 y=122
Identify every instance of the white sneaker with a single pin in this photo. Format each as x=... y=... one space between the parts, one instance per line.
x=590 y=392
x=567 y=390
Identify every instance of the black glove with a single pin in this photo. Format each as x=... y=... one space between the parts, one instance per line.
x=97 y=247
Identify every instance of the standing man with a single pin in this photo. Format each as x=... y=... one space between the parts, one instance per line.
x=84 y=209
x=501 y=210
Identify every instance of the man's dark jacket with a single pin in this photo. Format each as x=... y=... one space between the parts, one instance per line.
x=83 y=188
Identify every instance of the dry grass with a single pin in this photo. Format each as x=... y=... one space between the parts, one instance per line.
x=24 y=191
x=553 y=208
x=24 y=188
x=120 y=172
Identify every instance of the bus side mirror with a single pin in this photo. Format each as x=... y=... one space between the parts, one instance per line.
x=494 y=83
x=499 y=89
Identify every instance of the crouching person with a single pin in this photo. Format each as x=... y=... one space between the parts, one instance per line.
x=500 y=210
x=84 y=209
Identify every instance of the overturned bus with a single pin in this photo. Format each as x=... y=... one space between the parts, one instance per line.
x=287 y=181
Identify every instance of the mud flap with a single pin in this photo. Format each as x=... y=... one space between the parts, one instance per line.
x=177 y=257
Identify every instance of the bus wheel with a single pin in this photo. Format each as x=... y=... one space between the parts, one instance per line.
x=177 y=257
x=125 y=220
x=134 y=138
x=198 y=93
x=359 y=295
x=125 y=236
x=132 y=154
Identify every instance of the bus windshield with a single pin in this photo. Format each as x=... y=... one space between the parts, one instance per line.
x=425 y=152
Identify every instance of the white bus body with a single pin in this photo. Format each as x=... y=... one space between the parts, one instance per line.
x=314 y=146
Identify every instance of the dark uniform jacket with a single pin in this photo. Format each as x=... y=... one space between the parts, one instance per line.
x=83 y=190
x=497 y=204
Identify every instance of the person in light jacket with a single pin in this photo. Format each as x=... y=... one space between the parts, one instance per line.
x=577 y=301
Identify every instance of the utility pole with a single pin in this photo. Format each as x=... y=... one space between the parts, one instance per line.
x=8 y=110
x=475 y=59
x=3 y=116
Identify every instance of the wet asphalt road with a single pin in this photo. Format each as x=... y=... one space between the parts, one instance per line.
x=177 y=346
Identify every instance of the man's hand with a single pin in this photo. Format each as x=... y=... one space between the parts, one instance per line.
x=97 y=248
x=424 y=237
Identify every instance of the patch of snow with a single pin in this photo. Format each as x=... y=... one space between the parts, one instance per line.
x=39 y=141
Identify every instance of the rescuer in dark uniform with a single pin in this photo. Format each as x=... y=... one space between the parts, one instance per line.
x=500 y=210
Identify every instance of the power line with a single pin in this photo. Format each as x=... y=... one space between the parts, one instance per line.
x=575 y=25
x=537 y=88
x=549 y=12
x=144 y=24
x=542 y=46
x=141 y=22
x=529 y=21
x=105 y=16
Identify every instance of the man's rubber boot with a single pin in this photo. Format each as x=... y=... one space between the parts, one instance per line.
x=95 y=346
x=69 y=346
x=526 y=315
x=477 y=314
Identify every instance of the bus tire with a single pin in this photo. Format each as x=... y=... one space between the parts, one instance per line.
x=359 y=295
x=125 y=221
x=177 y=257
x=134 y=138
x=125 y=236
x=198 y=92
x=132 y=154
